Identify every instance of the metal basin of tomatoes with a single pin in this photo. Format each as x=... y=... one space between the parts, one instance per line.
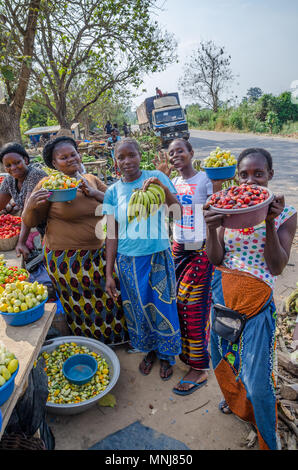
x=244 y=217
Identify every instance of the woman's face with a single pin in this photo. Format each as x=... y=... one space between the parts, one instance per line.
x=179 y=154
x=66 y=159
x=16 y=165
x=128 y=160
x=253 y=169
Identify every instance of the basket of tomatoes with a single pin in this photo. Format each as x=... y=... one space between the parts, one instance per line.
x=245 y=205
x=10 y=227
x=62 y=187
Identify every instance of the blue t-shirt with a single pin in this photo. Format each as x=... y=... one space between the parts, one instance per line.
x=137 y=238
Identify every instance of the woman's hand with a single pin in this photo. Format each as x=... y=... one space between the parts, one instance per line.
x=86 y=188
x=91 y=192
x=22 y=249
x=111 y=287
x=213 y=219
x=38 y=198
x=276 y=207
x=154 y=180
x=163 y=163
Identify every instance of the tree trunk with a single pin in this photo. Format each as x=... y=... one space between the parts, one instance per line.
x=9 y=125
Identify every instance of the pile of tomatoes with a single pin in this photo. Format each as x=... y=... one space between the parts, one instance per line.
x=239 y=197
x=10 y=274
x=10 y=226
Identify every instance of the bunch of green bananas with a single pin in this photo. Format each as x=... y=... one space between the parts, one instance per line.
x=142 y=204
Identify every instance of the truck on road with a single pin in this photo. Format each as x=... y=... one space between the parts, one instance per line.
x=164 y=116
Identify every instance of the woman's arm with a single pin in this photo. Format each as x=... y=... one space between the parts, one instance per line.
x=214 y=236
x=21 y=248
x=111 y=253
x=278 y=242
x=36 y=208
x=4 y=200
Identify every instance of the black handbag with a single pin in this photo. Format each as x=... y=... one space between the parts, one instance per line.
x=228 y=323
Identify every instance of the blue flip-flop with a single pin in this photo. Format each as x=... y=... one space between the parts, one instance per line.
x=191 y=390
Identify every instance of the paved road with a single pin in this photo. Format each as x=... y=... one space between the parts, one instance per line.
x=284 y=152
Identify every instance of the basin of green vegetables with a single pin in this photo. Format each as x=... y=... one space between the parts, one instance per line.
x=65 y=397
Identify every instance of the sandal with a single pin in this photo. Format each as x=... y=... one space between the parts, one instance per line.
x=224 y=407
x=164 y=367
x=146 y=363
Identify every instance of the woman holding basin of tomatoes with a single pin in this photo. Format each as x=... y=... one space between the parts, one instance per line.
x=247 y=262
x=74 y=247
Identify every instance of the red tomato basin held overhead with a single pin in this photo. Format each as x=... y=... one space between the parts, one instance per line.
x=246 y=205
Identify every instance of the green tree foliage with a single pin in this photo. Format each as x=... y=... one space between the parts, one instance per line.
x=98 y=45
x=254 y=93
x=269 y=113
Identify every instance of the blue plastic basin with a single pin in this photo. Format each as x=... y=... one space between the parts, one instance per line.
x=221 y=172
x=62 y=195
x=26 y=317
x=7 y=389
x=80 y=368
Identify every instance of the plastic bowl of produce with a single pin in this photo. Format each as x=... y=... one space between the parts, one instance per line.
x=106 y=354
x=62 y=195
x=220 y=172
x=25 y=317
x=7 y=388
x=80 y=368
x=245 y=217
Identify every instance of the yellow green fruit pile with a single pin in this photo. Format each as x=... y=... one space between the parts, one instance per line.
x=8 y=364
x=58 y=180
x=142 y=204
x=219 y=158
x=61 y=391
x=20 y=296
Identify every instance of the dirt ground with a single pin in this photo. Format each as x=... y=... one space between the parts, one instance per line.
x=194 y=419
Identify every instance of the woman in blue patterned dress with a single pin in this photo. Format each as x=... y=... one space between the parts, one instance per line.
x=144 y=263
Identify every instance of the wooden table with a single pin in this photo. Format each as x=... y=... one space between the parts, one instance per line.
x=100 y=165
x=25 y=342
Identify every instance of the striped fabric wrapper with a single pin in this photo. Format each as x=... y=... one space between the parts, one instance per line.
x=193 y=276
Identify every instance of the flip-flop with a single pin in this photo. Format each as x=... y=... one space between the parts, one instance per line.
x=147 y=364
x=223 y=405
x=164 y=368
x=195 y=387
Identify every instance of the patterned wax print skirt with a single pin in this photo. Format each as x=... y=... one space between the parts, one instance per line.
x=194 y=276
x=148 y=294
x=79 y=279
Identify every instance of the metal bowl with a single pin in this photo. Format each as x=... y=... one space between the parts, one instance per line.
x=99 y=348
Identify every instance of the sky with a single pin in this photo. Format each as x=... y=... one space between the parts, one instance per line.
x=260 y=35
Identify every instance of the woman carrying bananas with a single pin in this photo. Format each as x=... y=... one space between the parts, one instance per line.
x=137 y=239
x=74 y=248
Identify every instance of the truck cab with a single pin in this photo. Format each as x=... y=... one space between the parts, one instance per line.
x=168 y=119
x=165 y=116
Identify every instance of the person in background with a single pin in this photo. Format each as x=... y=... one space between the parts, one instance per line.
x=247 y=262
x=145 y=266
x=125 y=129
x=108 y=127
x=158 y=92
x=74 y=248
